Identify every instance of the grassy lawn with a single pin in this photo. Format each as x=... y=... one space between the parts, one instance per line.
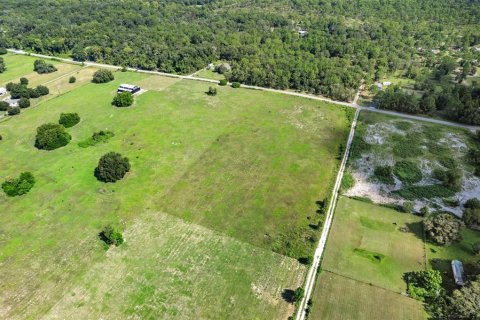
x=339 y=298
x=248 y=164
x=366 y=244
x=209 y=74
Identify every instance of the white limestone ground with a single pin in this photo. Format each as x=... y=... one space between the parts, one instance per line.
x=362 y=169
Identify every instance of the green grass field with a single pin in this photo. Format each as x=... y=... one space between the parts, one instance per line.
x=366 y=244
x=339 y=298
x=364 y=261
x=246 y=164
x=209 y=74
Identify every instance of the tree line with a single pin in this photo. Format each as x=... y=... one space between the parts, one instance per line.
x=344 y=41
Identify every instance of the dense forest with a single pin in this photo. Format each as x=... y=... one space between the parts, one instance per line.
x=318 y=46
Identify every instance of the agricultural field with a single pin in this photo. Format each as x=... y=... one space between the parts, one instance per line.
x=394 y=160
x=369 y=249
x=243 y=169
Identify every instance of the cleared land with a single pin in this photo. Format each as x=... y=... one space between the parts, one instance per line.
x=339 y=298
x=209 y=74
x=218 y=161
x=408 y=147
x=366 y=244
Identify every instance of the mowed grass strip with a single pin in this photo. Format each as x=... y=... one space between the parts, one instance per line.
x=48 y=238
x=169 y=269
x=340 y=298
x=366 y=244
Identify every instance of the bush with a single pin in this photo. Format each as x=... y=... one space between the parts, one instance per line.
x=51 y=136
x=298 y=294
x=111 y=236
x=407 y=171
x=19 y=186
x=102 y=76
x=33 y=93
x=123 y=99
x=12 y=111
x=72 y=79
x=24 y=103
x=40 y=66
x=212 y=91
x=443 y=229
x=3 y=51
x=425 y=284
x=451 y=178
x=236 y=85
x=4 y=106
x=408 y=207
x=42 y=90
x=471 y=214
x=223 y=82
x=68 y=120
x=18 y=91
x=2 y=65
x=384 y=174
x=347 y=182
x=97 y=137
x=24 y=81
x=112 y=167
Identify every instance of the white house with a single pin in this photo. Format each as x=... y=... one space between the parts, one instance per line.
x=3 y=91
x=128 y=88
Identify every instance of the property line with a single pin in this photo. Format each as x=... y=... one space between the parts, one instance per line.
x=310 y=280
x=298 y=94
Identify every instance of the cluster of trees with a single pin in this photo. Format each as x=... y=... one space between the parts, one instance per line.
x=40 y=66
x=51 y=136
x=19 y=186
x=102 y=76
x=123 y=99
x=439 y=95
x=461 y=304
x=345 y=40
x=21 y=90
x=112 y=167
x=68 y=120
x=471 y=213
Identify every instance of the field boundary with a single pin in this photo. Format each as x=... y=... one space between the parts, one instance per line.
x=312 y=272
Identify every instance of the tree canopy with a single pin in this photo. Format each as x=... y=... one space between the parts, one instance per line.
x=123 y=99
x=51 y=136
x=102 y=76
x=19 y=186
x=68 y=120
x=112 y=167
x=443 y=228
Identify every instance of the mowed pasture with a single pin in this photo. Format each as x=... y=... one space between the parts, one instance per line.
x=340 y=298
x=193 y=156
x=366 y=243
x=364 y=262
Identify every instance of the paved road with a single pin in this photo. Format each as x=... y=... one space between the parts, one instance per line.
x=312 y=272
x=292 y=93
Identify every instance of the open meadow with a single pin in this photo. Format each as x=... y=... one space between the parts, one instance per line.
x=243 y=164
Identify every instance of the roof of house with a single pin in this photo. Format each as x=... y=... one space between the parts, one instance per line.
x=457 y=268
x=128 y=86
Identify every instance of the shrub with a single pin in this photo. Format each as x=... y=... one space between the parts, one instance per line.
x=19 y=186
x=451 y=178
x=212 y=91
x=236 y=85
x=123 y=99
x=347 y=182
x=298 y=294
x=68 y=120
x=40 y=66
x=384 y=174
x=408 y=207
x=42 y=90
x=24 y=81
x=223 y=82
x=18 y=91
x=1 y=138
x=443 y=229
x=97 y=137
x=102 y=76
x=12 y=111
x=2 y=66
x=112 y=167
x=4 y=106
x=426 y=192
x=111 y=236
x=471 y=214
x=51 y=136
x=33 y=93
x=24 y=103
x=407 y=171
x=72 y=79
x=3 y=51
